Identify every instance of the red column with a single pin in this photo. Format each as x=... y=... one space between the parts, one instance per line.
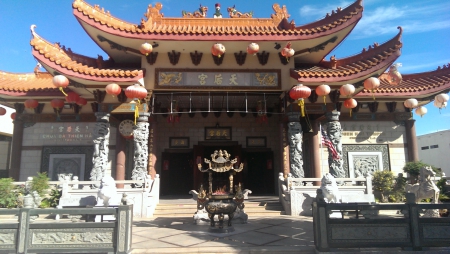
x=120 y=158
x=152 y=150
x=284 y=145
x=16 y=149
x=411 y=140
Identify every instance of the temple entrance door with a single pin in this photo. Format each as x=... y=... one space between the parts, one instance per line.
x=176 y=173
x=259 y=173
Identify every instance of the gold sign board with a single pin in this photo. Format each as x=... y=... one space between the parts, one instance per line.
x=217 y=133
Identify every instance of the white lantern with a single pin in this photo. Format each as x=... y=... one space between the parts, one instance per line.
x=410 y=103
x=440 y=105
x=347 y=90
x=441 y=99
x=421 y=111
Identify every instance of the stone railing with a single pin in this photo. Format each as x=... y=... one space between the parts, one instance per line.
x=407 y=229
x=297 y=194
x=81 y=194
x=25 y=235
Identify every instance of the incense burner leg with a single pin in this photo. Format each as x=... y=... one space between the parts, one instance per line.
x=220 y=215
x=230 y=217
x=211 y=218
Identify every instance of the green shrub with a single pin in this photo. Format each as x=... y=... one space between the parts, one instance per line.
x=40 y=184
x=52 y=200
x=413 y=169
x=383 y=182
x=8 y=197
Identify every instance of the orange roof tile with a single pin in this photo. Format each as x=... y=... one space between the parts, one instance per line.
x=156 y=23
x=45 y=51
x=420 y=84
x=372 y=59
x=20 y=84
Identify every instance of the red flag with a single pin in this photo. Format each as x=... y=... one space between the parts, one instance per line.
x=327 y=142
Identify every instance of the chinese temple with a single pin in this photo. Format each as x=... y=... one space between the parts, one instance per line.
x=176 y=89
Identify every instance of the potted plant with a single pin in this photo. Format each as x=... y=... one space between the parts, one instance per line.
x=383 y=183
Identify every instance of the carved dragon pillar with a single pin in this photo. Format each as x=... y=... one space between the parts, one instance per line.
x=101 y=150
x=334 y=131
x=140 y=134
x=295 y=137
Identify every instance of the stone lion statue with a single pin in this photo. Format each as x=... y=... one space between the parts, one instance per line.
x=107 y=193
x=330 y=189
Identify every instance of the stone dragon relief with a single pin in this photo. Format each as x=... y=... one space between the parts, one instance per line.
x=140 y=133
x=334 y=131
x=72 y=237
x=295 y=135
x=101 y=150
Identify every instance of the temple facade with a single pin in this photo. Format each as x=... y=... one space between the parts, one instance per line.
x=214 y=83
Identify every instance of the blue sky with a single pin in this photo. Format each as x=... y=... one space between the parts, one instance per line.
x=426 y=26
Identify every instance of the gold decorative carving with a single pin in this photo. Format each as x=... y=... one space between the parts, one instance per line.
x=153 y=16
x=280 y=14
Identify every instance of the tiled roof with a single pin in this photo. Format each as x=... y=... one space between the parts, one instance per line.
x=420 y=84
x=24 y=83
x=44 y=50
x=370 y=60
x=156 y=23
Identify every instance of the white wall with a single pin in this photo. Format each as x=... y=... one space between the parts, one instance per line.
x=437 y=156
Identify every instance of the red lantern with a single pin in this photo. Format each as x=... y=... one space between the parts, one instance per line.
x=218 y=50
x=72 y=97
x=323 y=90
x=2 y=111
x=31 y=103
x=113 y=89
x=57 y=103
x=371 y=84
x=252 y=48
x=81 y=101
x=13 y=115
x=350 y=104
x=287 y=51
x=300 y=92
x=136 y=91
x=146 y=48
x=60 y=82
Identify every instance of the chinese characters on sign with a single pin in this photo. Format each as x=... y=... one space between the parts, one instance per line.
x=179 y=142
x=256 y=141
x=217 y=133
x=214 y=78
x=69 y=132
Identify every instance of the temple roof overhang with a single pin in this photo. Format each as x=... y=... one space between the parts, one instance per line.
x=79 y=69
x=38 y=84
x=421 y=86
x=121 y=40
x=351 y=70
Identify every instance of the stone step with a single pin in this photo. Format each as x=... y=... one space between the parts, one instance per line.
x=252 y=209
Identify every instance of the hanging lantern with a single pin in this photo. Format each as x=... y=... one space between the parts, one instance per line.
x=394 y=76
x=287 y=51
x=2 y=111
x=410 y=103
x=13 y=115
x=173 y=113
x=60 y=82
x=57 y=103
x=371 y=84
x=350 y=104
x=31 y=103
x=146 y=48
x=323 y=90
x=81 y=101
x=300 y=92
x=218 y=50
x=440 y=105
x=441 y=99
x=252 y=48
x=113 y=89
x=72 y=97
x=136 y=92
x=421 y=111
x=347 y=90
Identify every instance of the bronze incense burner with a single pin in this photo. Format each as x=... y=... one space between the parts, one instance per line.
x=220 y=201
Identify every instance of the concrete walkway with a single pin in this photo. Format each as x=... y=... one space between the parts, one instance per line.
x=283 y=234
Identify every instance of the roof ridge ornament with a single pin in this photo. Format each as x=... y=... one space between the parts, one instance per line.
x=280 y=14
x=153 y=16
